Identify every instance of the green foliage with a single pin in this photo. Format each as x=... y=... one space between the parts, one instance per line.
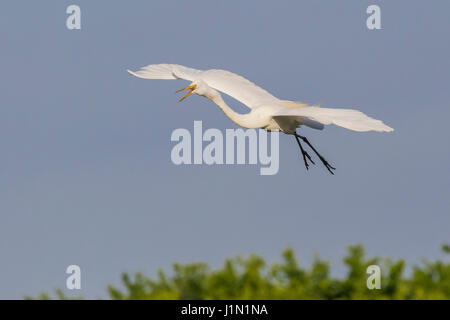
x=253 y=278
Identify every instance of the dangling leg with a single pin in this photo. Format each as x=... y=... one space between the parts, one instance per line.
x=325 y=162
x=304 y=153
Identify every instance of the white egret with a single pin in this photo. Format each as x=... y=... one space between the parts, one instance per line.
x=267 y=112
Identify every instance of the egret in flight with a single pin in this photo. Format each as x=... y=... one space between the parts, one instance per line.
x=267 y=112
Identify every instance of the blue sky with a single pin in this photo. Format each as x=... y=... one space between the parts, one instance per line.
x=86 y=176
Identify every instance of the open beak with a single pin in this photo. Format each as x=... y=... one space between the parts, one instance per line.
x=191 y=88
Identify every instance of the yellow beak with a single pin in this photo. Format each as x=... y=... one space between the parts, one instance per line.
x=190 y=88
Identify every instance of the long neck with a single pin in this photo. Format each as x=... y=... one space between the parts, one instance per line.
x=243 y=120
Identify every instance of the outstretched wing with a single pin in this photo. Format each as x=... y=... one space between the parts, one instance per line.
x=350 y=119
x=227 y=82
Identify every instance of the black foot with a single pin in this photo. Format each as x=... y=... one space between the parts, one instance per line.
x=304 y=154
x=325 y=162
x=327 y=165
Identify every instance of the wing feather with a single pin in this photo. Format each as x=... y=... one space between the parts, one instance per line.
x=347 y=118
x=238 y=87
x=167 y=72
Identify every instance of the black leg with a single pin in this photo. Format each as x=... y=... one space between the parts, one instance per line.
x=325 y=162
x=304 y=154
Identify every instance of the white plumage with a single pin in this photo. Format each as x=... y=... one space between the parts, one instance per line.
x=267 y=112
x=253 y=96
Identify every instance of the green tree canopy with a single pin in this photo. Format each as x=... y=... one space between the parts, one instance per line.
x=253 y=278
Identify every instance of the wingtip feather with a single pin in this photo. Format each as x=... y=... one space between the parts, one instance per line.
x=133 y=73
